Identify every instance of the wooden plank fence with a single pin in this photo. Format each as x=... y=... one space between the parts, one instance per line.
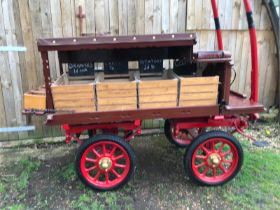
x=23 y=21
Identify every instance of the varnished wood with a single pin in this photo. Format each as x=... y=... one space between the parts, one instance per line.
x=32 y=101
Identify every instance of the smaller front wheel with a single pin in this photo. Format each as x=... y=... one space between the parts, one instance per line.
x=213 y=158
x=105 y=162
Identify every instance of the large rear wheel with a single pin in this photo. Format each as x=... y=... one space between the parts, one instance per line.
x=213 y=158
x=105 y=162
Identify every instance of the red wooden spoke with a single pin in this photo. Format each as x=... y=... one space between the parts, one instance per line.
x=226 y=153
x=105 y=156
x=95 y=152
x=91 y=168
x=213 y=143
x=120 y=165
x=91 y=160
x=113 y=151
x=221 y=147
x=104 y=148
x=214 y=170
x=118 y=157
x=200 y=157
x=222 y=168
x=107 y=177
x=205 y=149
x=209 y=148
x=96 y=177
x=227 y=161
x=205 y=171
x=115 y=173
x=200 y=165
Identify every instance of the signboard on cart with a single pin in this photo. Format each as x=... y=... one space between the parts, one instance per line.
x=81 y=69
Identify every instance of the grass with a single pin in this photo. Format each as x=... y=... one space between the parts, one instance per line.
x=14 y=184
x=100 y=201
x=68 y=172
x=27 y=166
x=257 y=185
x=16 y=207
x=85 y=202
x=2 y=187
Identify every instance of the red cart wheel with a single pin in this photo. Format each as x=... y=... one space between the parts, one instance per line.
x=105 y=162
x=213 y=158
x=182 y=138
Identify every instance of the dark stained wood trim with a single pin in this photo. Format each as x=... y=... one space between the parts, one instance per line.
x=116 y=42
x=240 y=105
x=120 y=116
x=47 y=76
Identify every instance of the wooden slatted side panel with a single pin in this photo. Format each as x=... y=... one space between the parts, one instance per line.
x=162 y=93
x=116 y=96
x=34 y=101
x=198 y=91
x=74 y=98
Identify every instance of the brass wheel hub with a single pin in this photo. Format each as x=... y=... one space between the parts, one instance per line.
x=214 y=160
x=105 y=163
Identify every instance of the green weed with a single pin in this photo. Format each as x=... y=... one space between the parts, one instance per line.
x=2 y=187
x=87 y=202
x=27 y=166
x=16 y=207
x=100 y=201
x=68 y=172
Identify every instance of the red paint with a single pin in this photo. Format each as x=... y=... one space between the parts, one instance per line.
x=248 y=6
x=99 y=177
x=183 y=136
x=234 y=122
x=201 y=164
x=220 y=40
x=255 y=66
x=254 y=56
x=131 y=129
x=218 y=31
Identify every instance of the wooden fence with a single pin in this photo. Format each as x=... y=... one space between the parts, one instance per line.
x=23 y=21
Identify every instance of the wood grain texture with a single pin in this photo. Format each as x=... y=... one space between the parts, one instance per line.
x=32 y=101
x=158 y=93
x=157 y=11
x=157 y=105
x=75 y=97
x=149 y=16
x=198 y=91
x=90 y=16
x=120 y=95
x=140 y=17
x=123 y=17
x=131 y=17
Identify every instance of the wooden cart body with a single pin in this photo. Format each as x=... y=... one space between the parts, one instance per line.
x=105 y=102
